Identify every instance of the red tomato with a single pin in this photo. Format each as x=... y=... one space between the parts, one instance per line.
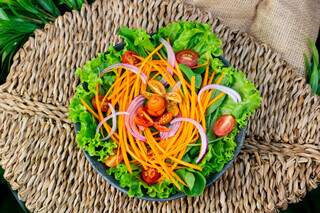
x=150 y=175
x=130 y=57
x=104 y=107
x=187 y=57
x=224 y=125
x=142 y=122
x=161 y=128
x=141 y=112
x=142 y=118
x=156 y=105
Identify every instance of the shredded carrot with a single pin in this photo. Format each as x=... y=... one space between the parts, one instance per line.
x=89 y=109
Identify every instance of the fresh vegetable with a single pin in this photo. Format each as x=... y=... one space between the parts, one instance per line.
x=130 y=57
x=150 y=175
x=114 y=160
x=164 y=110
x=203 y=136
x=224 y=125
x=156 y=105
x=313 y=68
x=165 y=118
x=104 y=105
x=187 y=57
x=129 y=67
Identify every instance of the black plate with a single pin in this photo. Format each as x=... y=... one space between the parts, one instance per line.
x=102 y=169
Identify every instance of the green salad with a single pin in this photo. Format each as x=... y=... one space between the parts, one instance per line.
x=163 y=112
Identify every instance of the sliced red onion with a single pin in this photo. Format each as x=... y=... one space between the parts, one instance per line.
x=173 y=130
x=129 y=120
x=234 y=95
x=130 y=67
x=202 y=133
x=114 y=124
x=171 y=55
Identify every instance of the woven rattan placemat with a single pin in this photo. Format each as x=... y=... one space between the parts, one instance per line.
x=278 y=164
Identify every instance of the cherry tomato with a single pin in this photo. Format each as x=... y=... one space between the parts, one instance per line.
x=141 y=112
x=142 y=122
x=161 y=128
x=156 y=105
x=113 y=160
x=130 y=57
x=224 y=125
x=187 y=57
x=104 y=107
x=150 y=175
x=165 y=118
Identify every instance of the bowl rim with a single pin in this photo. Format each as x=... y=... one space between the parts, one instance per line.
x=101 y=169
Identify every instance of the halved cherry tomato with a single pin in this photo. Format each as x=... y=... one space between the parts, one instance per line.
x=165 y=118
x=142 y=122
x=142 y=118
x=113 y=160
x=161 y=128
x=104 y=107
x=150 y=175
x=156 y=105
x=141 y=112
x=224 y=125
x=187 y=57
x=130 y=57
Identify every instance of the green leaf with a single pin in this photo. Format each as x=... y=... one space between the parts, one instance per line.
x=314 y=78
x=49 y=6
x=315 y=54
x=3 y=15
x=136 y=40
x=307 y=66
x=189 y=73
x=195 y=181
x=187 y=176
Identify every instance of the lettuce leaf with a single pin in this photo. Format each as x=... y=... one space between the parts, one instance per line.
x=86 y=137
x=136 y=186
x=195 y=36
x=137 y=40
x=251 y=99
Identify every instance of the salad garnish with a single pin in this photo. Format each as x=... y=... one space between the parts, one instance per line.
x=163 y=112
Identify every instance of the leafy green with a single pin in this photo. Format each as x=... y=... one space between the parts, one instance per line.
x=89 y=74
x=195 y=36
x=250 y=96
x=137 y=187
x=313 y=68
x=189 y=74
x=195 y=181
x=20 y=18
x=137 y=40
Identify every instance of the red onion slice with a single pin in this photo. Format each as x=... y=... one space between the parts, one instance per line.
x=173 y=130
x=130 y=67
x=234 y=95
x=202 y=133
x=129 y=120
x=114 y=122
x=171 y=55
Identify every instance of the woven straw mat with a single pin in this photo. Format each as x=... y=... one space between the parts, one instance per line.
x=279 y=163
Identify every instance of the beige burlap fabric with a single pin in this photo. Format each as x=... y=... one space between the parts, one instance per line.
x=278 y=164
x=283 y=24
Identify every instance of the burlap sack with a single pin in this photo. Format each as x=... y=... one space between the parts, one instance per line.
x=283 y=24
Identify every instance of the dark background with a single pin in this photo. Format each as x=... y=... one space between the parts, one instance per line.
x=10 y=204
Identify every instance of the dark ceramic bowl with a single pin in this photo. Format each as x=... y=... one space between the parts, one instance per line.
x=102 y=169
